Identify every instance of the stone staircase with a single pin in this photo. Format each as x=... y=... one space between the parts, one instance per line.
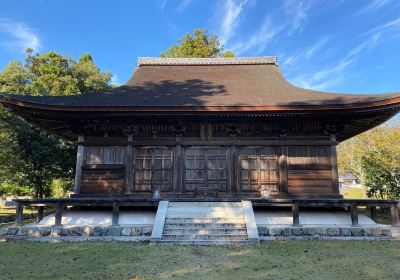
x=206 y=223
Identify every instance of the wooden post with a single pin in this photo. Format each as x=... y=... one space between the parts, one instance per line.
x=18 y=214
x=296 y=214
x=129 y=166
x=177 y=172
x=115 y=214
x=58 y=214
x=233 y=158
x=335 y=173
x=40 y=213
x=79 y=162
x=354 y=215
x=394 y=209
x=283 y=170
x=373 y=213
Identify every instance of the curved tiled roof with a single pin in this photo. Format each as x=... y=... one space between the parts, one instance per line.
x=207 y=82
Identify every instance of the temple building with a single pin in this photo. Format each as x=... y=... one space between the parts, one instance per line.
x=206 y=128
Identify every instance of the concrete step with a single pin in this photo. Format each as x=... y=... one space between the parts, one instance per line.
x=179 y=237
x=204 y=204
x=202 y=220
x=205 y=225
x=186 y=231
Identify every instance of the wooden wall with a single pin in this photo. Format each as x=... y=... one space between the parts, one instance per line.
x=291 y=170
x=309 y=170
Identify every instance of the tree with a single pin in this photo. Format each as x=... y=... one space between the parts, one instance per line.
x=200 y=44
x=29 y=157
x=374 y=158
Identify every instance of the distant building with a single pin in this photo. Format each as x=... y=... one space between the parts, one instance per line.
x=348 y=180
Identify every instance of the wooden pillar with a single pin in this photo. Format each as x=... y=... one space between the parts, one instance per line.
x=394 y=209
x=178 y=172
x=283 y=185
x=296 y=214
x=354 y=215
x=58 y=214
x=79 y=162
x=129 y=166
x=18 y=214
x=115 y=214
x=233 y=158
x=40 y=213
x=373 y=213
x=335 y=174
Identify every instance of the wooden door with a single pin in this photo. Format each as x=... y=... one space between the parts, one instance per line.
x=205 y=169
x=153 y=168
x=258 y=169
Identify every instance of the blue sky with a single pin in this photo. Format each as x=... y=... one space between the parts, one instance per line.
x=331 y=45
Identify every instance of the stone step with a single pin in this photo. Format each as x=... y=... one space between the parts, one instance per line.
x=207 y=210
x=183 y=215
x=179 y=237
x=202 y=220
x=186 y=231
x=204 y=204
x=205 y=225
x=206 y=242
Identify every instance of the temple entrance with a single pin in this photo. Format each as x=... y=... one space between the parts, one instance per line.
x=205 y=170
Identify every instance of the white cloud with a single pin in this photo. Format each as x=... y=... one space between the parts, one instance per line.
x=21 y=35
x=392 y=25
x=162 y=4
x=328 y=77
x=183 y=5
x=115 y=80
x=316 y=47
x=258 y=41
x=290 y=18
x=231 y=15
x=297 y=12
x=373 y=6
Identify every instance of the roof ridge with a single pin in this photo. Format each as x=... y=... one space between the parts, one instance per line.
x=208 y=61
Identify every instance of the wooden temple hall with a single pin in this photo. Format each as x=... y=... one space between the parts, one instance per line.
x=206 y=129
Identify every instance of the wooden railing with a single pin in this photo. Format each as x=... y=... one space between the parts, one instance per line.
x=295 y=204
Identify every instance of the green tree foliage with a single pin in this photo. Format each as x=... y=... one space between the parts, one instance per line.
x=374 y=158
x=200 y=44
x=31 y=159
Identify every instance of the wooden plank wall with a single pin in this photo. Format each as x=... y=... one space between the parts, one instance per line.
x=103 y=179
x=309 y=170
x=104 y=170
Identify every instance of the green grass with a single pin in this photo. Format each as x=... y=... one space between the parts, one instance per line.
x=355 y=193
x=271 y=260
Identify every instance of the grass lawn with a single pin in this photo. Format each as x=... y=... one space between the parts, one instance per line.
x=271 y=260
x=355 y=193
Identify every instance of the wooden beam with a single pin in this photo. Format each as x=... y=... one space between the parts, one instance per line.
x=394 y=209
x=18 y=214
x=115 y=214
x=354 y=215
x=79 y=162
x=58 y=214
x=335 y=173
x=296 y=214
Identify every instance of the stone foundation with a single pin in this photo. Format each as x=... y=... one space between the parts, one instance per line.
x=329 y=231
x=60 y=231
x=143 y=232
